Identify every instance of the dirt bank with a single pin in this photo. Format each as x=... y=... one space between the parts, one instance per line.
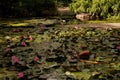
x=97 y=25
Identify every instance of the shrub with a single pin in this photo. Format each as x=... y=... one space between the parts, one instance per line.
x=101 y=9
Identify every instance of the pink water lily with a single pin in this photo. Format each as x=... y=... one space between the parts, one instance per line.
x=15 y=60
x=20 y=75
x=118 y=47
x=23 y=43
x=30 y=38
x=76 y=27
x=36 y=59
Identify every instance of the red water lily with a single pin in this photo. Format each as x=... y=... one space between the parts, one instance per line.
x=20 y=75
x=23 y=43
x=15 y=60
x=36 y=59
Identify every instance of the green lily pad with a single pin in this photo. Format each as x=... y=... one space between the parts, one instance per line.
x=81 y=75
x=7 y=74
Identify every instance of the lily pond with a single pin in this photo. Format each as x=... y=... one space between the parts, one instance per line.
x=59 y=53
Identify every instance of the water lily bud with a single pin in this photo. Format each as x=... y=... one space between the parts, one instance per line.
x=23 y=43
x=36 y=59
x=20 y=75
x=15 y=60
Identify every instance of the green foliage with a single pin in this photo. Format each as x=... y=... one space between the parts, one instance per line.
x=97 y=8
x=80 y=6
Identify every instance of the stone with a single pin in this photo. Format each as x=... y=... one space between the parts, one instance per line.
x=83 y=16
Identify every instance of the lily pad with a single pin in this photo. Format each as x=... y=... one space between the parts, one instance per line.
x=17 y=24
x=7 y=74
x=81 y=75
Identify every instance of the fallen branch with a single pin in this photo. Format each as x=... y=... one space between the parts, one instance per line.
x=93 y=62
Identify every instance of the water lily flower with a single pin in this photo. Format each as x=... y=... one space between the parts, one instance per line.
x=76 y=27
x=7 y=50
x=15 y=60
x=30 y=38
x=20 y=75
x=23 y=43
x=36 y=59
x=118 y=47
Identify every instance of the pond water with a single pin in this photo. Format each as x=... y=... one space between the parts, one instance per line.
x=60 y=53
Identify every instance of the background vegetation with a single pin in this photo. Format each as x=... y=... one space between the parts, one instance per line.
x=101 y=9
x=28 y=8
